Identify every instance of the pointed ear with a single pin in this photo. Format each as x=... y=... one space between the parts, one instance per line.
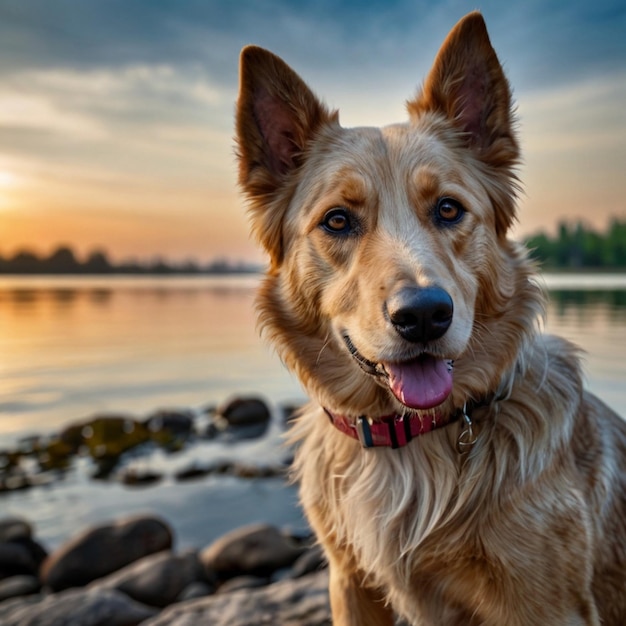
x=277 y=116
x=468 y=86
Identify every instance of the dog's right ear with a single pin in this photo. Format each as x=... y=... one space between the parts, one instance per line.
x=277 y=116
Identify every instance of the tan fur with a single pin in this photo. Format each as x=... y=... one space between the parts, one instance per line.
x=529 y=528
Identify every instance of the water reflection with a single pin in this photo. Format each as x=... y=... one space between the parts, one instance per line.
x=588 y=302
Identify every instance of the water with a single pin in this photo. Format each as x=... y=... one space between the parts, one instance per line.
x=74 y=347
x=71 y=347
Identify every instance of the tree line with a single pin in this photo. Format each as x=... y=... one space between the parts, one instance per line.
x=576 y=246
x=64 y=261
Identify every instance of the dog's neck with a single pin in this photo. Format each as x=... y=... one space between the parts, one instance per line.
x=397 y=430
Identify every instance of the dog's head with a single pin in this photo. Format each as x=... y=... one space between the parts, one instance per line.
x=390 y=265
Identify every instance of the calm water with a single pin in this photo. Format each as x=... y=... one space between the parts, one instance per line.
x=74 y=347
x=71 y=347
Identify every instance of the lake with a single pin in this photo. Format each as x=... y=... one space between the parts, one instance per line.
x=74 y=347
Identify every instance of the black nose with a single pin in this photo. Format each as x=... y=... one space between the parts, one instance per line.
x=420 y=314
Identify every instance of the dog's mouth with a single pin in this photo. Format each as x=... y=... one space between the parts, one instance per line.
x=423 y=382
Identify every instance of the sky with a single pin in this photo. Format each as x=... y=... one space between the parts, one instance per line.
x=116 y=116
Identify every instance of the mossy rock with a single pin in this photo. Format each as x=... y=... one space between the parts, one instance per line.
x=110 y=435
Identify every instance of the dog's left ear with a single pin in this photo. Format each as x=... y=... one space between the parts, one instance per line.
x=277 y=117
x=467 y=84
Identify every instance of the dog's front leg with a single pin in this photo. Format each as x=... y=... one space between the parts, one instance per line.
x=355 y=604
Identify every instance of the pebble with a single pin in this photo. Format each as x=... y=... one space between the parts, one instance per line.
x=244 y=411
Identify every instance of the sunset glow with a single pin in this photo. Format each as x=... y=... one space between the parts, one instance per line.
x=125 y=143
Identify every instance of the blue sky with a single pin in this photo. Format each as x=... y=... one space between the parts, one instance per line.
x=116 y=115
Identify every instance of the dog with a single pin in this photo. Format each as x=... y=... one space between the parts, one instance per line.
x=451 y=464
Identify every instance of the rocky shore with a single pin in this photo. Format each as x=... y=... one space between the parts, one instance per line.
x=128 y=572
x=108 y=439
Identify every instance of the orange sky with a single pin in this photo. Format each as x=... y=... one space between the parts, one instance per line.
x=117 y=134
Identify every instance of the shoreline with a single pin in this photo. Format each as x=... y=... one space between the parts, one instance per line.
x=206 y=470
x=128 y=572
x=137 y=567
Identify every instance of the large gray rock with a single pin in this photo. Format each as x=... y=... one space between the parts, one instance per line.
x=156 y=580
x=75 y=607
x=257 y=550
x=12 y=528
x=104 y=549
x=300 y=602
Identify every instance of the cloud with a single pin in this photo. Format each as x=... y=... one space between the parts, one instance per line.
x=128 y=105
x=588 y=115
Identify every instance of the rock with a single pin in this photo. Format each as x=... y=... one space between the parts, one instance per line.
x=233 y=434
x=16 y=560
x=156 y=580
x=139 y=478
x=165 y=426
x=108 y=436
x=178 y=422
x=72 y=435
x=244 y=412
x=15 y=481
x=18 y=586
x=10 y=606
x=243 y=582
x=245 y=470
x=311 y=561
x=192 y=472
x=37 y=552
x=76 y=606
x=198 y=589
x=104 y=549
x=14 y=528
x=300 y=602
x=55 y=454
x=256 y=550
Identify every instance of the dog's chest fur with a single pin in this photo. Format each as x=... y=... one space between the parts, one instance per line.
x=432 y=528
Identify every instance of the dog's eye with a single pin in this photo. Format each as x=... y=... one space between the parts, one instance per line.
x=337 y=221
x=449 y=211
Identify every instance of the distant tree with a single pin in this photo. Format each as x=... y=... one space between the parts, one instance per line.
x=61 y=261
x=64 y=261
x=97 y=263
x=25 y=262
x=576 y=246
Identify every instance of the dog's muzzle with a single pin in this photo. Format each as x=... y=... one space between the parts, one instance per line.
x=422 y=379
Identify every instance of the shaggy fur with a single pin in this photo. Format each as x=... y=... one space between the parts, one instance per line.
x=529 y=527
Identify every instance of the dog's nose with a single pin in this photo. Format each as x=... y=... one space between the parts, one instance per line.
x=420 y=314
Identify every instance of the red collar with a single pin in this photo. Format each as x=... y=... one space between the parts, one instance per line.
x=392 y=431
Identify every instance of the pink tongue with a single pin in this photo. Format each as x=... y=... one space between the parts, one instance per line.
x=420 y=384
